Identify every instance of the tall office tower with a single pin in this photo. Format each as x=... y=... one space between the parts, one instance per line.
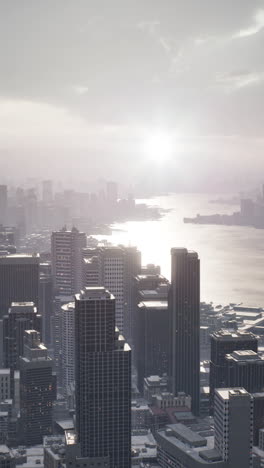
x=103 y=381
x=37 y=390
x=47 y=191
x=147 y=287
x=3 y=204
x=46 y=301
x=152 y=345
x=184 y=305
x=21 y=316
x=117 y=267
x=225 y=342
x=66 y=249
x=68 y=344
x=258 y=415
x=245 y=369
x=56 y=334
x=111 y=192
x=233 y=426
x=91 y=271
x=19 y=280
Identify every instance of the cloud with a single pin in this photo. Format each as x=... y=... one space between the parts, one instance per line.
x=239 y=79
x=78 y=89
x=255 y=28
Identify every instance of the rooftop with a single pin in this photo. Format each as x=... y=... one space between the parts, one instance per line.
x=228 y=393
x=94 y=293
x=154 y=305
x=243 y=356
x=227 y=335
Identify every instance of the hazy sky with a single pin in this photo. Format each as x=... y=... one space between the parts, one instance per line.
x=85 y=83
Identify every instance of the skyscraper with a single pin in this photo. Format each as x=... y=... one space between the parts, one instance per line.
x=116 y=268
x=234 y=426
x=152 y=345
x=37 y=390
x=66 y=255
x=68 y=344
x=103 y=380
x=46 y=300
x=21 y=316
x=226 y=342
x=184 y=304
x=245 y=369
x=19 y=280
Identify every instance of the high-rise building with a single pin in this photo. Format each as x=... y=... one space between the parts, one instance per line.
x=37 y=390
x=258 y=415
x=116 y=268
x=5 y=385
x=21 y=316
x=91 y=271
x=234 y=426
x=3 y=204
x=19 y=280
x=68 y=344
x=103 y=381
x=184 y=304
x=66 y=247
x=225 y=342
x=152 y=345
x=46 y=300
x=56 y=335
x=245 y=369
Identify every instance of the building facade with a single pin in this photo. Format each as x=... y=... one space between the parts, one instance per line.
x=37 y=390
x=233 y=417
x=66 y=256
x=19 y=280
x=184 y=305
x=103 y=380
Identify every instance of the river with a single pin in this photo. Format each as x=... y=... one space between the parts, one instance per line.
x=232 y=258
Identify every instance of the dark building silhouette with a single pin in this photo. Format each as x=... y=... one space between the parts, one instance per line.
x=226 y=342
x=103 y=381
x=21 y=316
x=153 y=347
x=184 y=305
x=258 y=415
x=245 y=369
x=37 y=390
x=19 y=280
x=46 y=306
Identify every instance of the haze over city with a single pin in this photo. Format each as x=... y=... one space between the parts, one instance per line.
x=131 y=234
x=85 y=87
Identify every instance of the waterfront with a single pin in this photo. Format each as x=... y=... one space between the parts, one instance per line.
x=232 y=257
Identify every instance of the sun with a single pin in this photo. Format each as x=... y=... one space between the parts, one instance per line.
x=159 y=147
